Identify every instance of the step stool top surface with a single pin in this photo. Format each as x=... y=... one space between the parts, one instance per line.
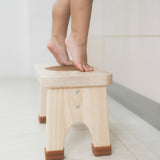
x=51 y=76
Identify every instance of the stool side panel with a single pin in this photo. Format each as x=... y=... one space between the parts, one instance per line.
x=96 y=115
x=62 y=113
x=55 y=126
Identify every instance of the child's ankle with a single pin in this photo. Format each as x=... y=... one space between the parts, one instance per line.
x=79 y=40
x=60 y=39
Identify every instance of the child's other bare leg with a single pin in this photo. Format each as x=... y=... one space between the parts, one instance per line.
x=77 y=40
x=56 y=45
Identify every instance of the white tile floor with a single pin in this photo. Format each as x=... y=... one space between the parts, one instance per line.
x=23 y=138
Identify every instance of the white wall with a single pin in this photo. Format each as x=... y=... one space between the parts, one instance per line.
x=40 y=16
x=14 y=38
x=40 y=31
x=124 y=39
x=126 y=36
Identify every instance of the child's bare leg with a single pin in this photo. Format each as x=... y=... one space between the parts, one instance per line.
x=56 y=45
x=77 y=40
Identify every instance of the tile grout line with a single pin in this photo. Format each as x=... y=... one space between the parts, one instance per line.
x=124 y=108
x=124 y=145
x=156 y=155
x=124 y=36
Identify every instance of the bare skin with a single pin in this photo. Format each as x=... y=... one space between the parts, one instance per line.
x=60 y=20
x=76 y=42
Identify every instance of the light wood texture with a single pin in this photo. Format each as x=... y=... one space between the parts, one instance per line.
x=62 y=112
x=58 y=79
x=71 y=96
x=43 y=101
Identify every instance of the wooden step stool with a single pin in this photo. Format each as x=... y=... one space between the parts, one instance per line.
x=69 y=96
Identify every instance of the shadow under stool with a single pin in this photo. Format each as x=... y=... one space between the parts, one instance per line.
x=69 y=96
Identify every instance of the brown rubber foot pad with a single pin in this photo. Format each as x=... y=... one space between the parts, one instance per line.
x=54 y=155
x=102 y=151
x=42 y=119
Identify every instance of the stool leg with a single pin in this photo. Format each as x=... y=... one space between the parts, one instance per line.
x=43 y=101
x=55 y=129
x=96 y=118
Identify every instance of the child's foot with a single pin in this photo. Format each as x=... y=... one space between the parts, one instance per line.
x=59 y=51
x=78 y=52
